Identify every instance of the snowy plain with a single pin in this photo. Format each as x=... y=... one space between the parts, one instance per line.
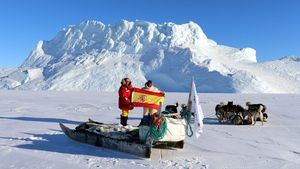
x=30 y=136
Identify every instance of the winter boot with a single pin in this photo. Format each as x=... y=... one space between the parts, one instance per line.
x=124 y=120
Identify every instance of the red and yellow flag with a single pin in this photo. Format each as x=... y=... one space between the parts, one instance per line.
x=144 y=98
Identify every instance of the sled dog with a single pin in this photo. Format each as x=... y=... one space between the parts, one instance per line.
x=255 y=113
x=224 y=112
x=254 y=107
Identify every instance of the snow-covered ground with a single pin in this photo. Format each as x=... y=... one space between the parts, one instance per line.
x=30 y=136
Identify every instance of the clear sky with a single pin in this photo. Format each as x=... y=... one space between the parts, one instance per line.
x=272 y=27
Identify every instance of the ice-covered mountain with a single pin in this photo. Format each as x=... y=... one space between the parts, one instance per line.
x=95 y=56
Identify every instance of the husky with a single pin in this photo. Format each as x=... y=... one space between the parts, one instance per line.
x=171 y=111
x=221 y=112
x=256 y=107
x=230 y=112
x=238 y=119
x=239 y=110
x=172 y=108
x=239 y=115
x=255 y=112
x=224 y=112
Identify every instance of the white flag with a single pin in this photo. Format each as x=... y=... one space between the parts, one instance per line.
x=196 y=108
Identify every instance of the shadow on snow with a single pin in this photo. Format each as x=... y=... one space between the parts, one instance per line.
x=42 y=119
x=213 y=121
x=59 y=143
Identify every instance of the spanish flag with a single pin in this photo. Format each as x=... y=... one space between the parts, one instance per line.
x=144 y=98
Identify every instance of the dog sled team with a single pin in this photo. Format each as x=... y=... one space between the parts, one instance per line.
x=158 y=128
x=238 y=115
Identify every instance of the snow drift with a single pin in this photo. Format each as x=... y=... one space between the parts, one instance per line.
x=95 y=56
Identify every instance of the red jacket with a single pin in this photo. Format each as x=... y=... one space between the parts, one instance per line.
x=125 y=97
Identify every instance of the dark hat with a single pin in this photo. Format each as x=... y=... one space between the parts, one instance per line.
x=148 y=83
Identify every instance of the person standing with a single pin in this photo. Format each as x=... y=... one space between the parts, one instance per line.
x=125 y=104
x=147 y=112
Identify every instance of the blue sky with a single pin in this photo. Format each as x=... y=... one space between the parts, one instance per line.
x=272 y=27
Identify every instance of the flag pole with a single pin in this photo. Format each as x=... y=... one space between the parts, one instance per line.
x=189 y=104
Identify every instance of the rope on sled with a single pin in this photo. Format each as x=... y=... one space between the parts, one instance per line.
x=188 y=117
x=158 y=127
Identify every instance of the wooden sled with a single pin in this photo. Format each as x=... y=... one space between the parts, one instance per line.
x=127 y=146
x=83 y=134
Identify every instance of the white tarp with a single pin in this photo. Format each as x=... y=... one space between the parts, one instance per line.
x=176 y=129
